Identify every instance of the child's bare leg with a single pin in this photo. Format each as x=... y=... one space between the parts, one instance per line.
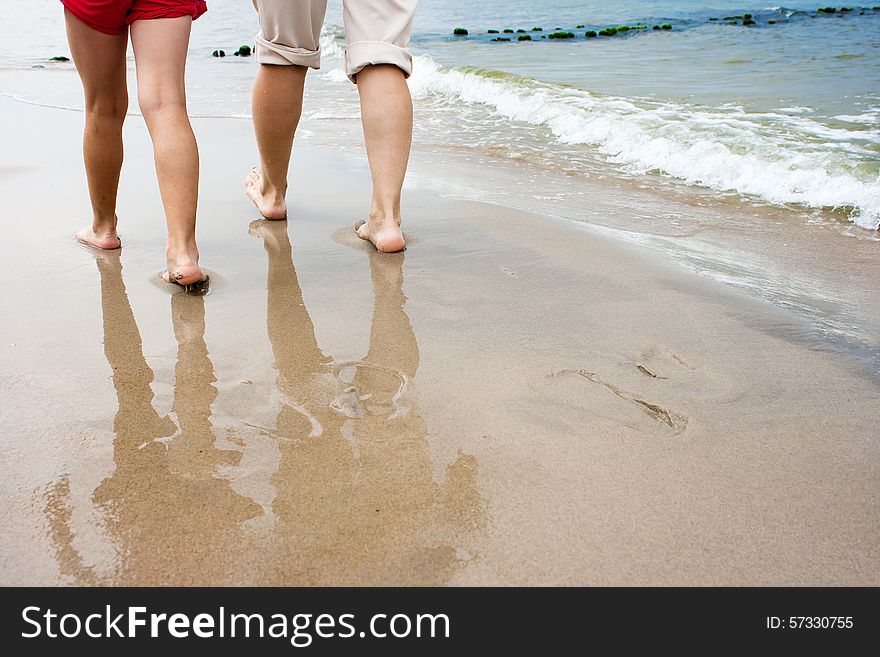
x=387 y=115
x=160 y=47
x=100 y=62
x=277 y=107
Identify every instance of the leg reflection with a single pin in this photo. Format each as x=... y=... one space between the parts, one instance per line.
x=356 y=499
x=170 y=516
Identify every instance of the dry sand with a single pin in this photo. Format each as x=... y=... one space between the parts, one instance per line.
x=514 y=400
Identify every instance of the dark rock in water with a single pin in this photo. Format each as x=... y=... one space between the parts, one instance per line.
x=732 y=18
x=537 y=29
x=591 y=34
x=623 y=28
x=460 y=31
x=749 y=21
x=747 y=17
x=826 y=10
x=500 y=39
x=562 y=35
x=666 y=26
x=579 y=27
x=524 y=37
x=520 y=31
x=59 y=58
x=218 y=53
x=771 y=22
x=608 y=31
x=243 y=51
x=492 y=32
x=38 y=66
x=846 y=10
x=508 y=31
x=713 y=19
x=656 y=27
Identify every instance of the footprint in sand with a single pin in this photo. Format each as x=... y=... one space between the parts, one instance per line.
x=663 y=418
x=664 y=388
x=689 y=378
x=369 y=390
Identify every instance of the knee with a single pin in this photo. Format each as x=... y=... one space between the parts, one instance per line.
x=154 y=100
x=110 y=106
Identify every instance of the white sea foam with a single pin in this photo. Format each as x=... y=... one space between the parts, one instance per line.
x=868 y=118
x=780 y=159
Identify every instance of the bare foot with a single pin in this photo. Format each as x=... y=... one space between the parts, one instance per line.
x=183 y=266
x=270 y=203
x=106 y=238
x=386 y=236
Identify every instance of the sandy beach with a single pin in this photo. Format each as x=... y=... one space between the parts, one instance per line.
x=513 y=400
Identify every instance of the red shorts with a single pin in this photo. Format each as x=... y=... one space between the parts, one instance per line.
x=114 y=16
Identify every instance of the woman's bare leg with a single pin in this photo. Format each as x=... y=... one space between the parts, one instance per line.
x=387 y=115
x=160 y=47
x=100 y=62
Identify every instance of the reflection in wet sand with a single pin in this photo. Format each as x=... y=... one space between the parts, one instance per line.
x=355 y=502
x=166 y=511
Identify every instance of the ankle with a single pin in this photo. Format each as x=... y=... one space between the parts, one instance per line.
x=273 y=193
x=183 y=246
x=380 y=217
x=104 y=225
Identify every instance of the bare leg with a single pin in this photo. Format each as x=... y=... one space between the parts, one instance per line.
x=277 y=107
x=160 y=47
x=387 y=115
x=100 y=61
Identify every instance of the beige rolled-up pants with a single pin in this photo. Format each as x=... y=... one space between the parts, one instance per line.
x=377 y=31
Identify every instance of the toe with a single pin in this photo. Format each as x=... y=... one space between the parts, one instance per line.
x=361 y=229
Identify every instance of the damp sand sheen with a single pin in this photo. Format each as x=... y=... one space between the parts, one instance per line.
x=513 y=400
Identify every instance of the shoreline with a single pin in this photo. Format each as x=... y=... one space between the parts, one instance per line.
x=514 y=400
x=800 y=260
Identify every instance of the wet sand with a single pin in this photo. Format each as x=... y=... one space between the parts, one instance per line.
x=513 y=400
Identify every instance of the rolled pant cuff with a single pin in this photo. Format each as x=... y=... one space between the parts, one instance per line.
x=274 y=53
x=368 y=53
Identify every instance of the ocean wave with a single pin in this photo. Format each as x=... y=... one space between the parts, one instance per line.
x=777 y=158
x=781 y=157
